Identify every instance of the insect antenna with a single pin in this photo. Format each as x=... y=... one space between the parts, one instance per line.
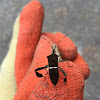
x=52 y=46
x=47 y=41
x=60 y=40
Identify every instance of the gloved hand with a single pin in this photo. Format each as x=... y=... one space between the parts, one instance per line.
x=31 y=53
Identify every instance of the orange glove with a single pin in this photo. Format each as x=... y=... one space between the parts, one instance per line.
x=32 y=51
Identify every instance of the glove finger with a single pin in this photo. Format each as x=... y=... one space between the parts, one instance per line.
x=31 y=19
x=43 y=49
x=65 y=46
x=83 y=65
x=68 y=48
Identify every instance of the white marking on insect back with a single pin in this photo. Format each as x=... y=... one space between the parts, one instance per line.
x=52 y=67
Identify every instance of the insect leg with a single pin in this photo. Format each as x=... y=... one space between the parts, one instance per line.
x=63 y=73
x=67 y=62
x=38 y=74
x=60 y=55
x=62 y=60
x=46 y=72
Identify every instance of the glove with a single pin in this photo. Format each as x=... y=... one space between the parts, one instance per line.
x=31 y=53
x=7 y=77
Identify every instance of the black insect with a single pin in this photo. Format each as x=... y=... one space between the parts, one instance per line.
x=53 y=67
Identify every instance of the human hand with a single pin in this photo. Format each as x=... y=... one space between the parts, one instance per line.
x=28 y=84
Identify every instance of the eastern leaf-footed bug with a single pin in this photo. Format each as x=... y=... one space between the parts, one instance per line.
x=53 y=66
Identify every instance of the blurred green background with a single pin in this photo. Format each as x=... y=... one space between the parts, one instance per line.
x=79 y=18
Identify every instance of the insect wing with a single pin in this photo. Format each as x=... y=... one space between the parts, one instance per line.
x=54 y=75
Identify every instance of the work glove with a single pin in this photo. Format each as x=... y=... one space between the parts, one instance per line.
x=29 y=50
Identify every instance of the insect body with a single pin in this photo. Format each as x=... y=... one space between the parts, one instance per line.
x=53 y=68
